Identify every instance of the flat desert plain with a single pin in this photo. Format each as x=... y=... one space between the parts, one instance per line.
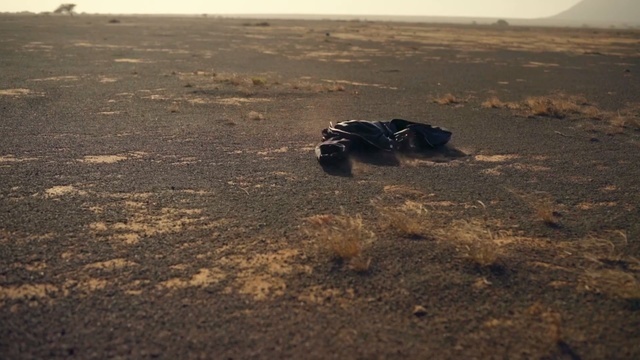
x=160 y=197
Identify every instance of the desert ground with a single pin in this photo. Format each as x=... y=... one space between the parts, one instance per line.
x=160 y=196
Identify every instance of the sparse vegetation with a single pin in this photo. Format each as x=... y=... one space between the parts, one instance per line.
x=558 y=106
x=610 y=274
x=344 y=237
x=334 y=87
x=259 y=81
x=254 y=115
x=613 y=282
x=314 y=87
x=494 y=103
x=448 y=99
x=562 y=106
x=174 y=107
x=475 y=241
x=542 y=205
x=408 y=219
x=628 y=118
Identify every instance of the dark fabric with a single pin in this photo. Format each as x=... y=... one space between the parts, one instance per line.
x=363 y=135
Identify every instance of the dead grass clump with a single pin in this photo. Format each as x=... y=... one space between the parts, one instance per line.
x=235 y=80
x=334 y=87
x=448 y=99
x=613 y=282
x=409 y=219
x=230 y=78
x=259 y=81
x=343 y=237
x=544 y=211
x=557 y=107
x=475 y=241
x=542 y=205
x=494 y=103
x=402 y=190
x=307 y=86
x=174 y=107
x=360 y=264
x=628 y=118
x=254 y=115
x=607 y=251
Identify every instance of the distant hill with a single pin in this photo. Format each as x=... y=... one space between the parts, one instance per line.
x=603 y=11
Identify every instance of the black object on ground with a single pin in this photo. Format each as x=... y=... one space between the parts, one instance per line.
x=339 y=140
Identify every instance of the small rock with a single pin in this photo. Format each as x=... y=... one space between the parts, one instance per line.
x=419 y=311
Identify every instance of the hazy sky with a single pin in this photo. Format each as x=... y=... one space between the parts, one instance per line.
x=476 y=8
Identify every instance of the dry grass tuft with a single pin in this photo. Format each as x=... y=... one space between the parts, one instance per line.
x=542 y=205
x=627 y=118
x=612 y=270
x=558 y=107
x=612 y=282
x=448 y=99
x=259 y=81
x=360 y=264
x=314 y=87
x=334 y=87
x=254 y=115
x=343 y=237
x=476 y=241
x=544 y=211
x=607 y=251
x=494 y=103
x=174 y=107
x=402 y=190
x=409 y=219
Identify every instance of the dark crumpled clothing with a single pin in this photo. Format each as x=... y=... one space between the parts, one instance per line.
x=362 y=135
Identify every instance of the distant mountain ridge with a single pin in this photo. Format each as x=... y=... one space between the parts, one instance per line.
x=603 y=11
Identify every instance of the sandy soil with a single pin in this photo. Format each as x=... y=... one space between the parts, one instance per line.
x=160 y=195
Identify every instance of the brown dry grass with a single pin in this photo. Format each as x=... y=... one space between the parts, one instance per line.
x=254 y=115
x=409 y=219
x=628 y=118
x=403 y=191
x=343 y=237
x=232 y=79
x=315 y=87
x=559 y=106
x=542 y=204
x=612 y=282
x=448 y=99
x=563 y=106
x=608 y=249
x=611 y=269
x=475 y=240
x=174 y=107
x=334 y=87
x=494 y=103
x=259 y=81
